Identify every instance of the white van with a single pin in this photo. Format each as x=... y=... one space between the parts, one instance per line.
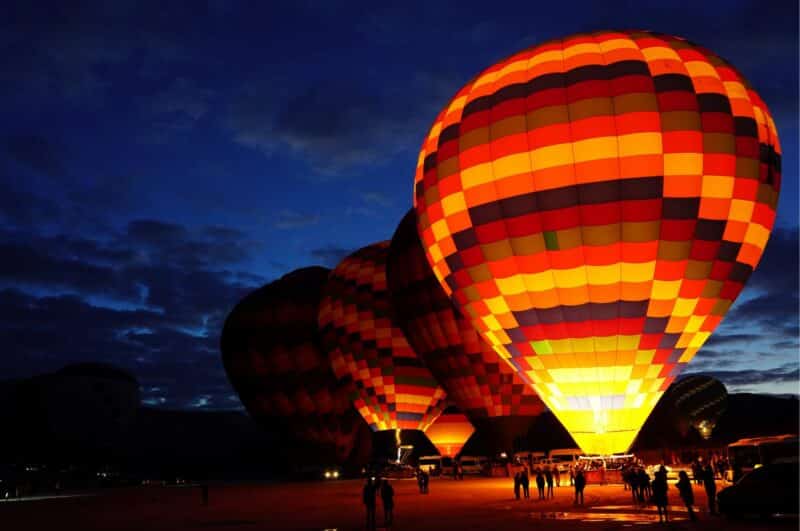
x=564 y=457
x=473 y=464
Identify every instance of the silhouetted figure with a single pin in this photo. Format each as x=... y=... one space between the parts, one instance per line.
x=517 y=484
x=524 y=482
x=580 y=484
x=632 y=480
x=540 y=483
x=571 y=475
x=660 y=498
x=711 y=488
x=387 y=497
x=643 y=481
x=369 y=502
x=548 y=476
x=557 y=476
x=685 y=489
x=425 y=479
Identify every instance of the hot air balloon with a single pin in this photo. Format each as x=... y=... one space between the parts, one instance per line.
x=271 y=352
x=393 y=389
x=486 y=389
x=450 y=432
x=595 y=204
x=701 y=400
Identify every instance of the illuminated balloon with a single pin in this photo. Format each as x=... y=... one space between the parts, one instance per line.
x=486 y=389
x=394 y=389
x=701 y=399
x=450 y=432
x=271 y=352
x=595 y=205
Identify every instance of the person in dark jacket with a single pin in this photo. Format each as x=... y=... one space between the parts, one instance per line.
x=368 y=496
x=711 y=488
x=387 y=497
x=660 y=497
x=517 y=484
x=540 y=483
x=580 y=484
x=524 y=480
x=548 y=477
x=685 y=489
x=643 y=480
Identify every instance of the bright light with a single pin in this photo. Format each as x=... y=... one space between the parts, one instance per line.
x=503 y=455
x=327 y=474
x=336 y=473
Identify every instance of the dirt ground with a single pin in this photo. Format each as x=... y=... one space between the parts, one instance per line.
x=475 y=503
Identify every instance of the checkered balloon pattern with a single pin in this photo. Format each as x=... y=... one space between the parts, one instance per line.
x=477 y=381
x=394 y=389
x=595 y=205
x=271 y=353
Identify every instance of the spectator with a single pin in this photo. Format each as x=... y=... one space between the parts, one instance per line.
x=548 y=476
x=368 y=496
x=540 y=483
x=711 y=489
x=580 y=484
x=685 y=489
x=660 y=497
x=387 y=497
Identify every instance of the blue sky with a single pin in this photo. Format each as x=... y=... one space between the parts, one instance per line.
x=160 y=159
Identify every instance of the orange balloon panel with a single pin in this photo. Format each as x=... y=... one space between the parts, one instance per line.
x=450 y=432
x=394 y=389
x=595 y=205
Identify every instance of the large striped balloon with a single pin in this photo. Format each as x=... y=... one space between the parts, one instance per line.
x=494 y=398
x=595 y=204
x=394 y=389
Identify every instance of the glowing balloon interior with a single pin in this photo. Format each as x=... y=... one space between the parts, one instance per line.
x=450 y=432
x=595 y=205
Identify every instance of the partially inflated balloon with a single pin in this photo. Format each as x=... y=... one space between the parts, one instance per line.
x=701 y=400
x=486 y=389
x=595 y=205
x=394 y=389
x=450 y=432
x=271 y=352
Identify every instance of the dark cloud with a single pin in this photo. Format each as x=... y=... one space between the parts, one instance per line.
x=740 y=378
x=35 y=152
x=151 y=299
x=330 y=255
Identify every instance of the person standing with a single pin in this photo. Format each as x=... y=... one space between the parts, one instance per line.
x=711 y=489
x=557 y=476
x=387 y=498
x=571 y=475
x=425 y=479
x=660 y=498
x=548 y=476
x=368 y=495
x=525 y=482
x=580 y=484
x=685 y=489
x=517 y=484
x=540 y=483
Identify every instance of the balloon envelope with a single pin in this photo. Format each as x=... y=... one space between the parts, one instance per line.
x=700 y=399
x=450 y=432
x=477 y=381
x=271 y=352
x=595 y=205
x=394 y=390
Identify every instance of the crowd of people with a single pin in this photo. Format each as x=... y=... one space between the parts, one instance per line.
x=546 y=478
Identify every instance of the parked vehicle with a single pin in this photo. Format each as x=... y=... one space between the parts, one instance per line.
x=767 y=490
x=433 y=464
x=562 y=458
x=746 y=455
x=474 y=464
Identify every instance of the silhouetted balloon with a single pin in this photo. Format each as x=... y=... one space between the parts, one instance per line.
x=595 y=204
x=701 y=400
x=394 y=389
x=271 y=352
x=500 y=405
